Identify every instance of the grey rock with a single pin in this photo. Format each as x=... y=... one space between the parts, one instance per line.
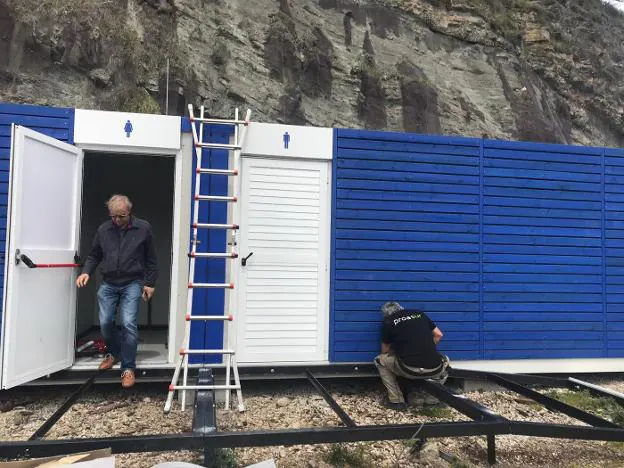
x=283 y=401
x=100 y=77
x=454 y=66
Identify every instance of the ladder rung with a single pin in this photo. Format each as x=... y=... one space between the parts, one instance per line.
x=201 y=170
x=205 y=351
x=203 y=387
x=219 y=121
x=217 y=145
x=214 y=226
x=211 y=285
x=215 y=198
x=213 y=255
x=209 y=317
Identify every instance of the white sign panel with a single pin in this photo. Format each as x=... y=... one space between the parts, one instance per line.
x=93 y=128
x=264 y=139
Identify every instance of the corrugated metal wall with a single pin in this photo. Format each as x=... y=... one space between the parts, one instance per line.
x=52 y=121
x=515 y=249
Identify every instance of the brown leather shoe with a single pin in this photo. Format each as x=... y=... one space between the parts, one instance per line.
x=127 y=378
x=108 y=362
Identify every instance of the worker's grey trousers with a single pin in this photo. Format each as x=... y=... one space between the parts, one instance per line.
x=389 y=368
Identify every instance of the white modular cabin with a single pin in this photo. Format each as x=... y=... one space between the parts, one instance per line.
x=514 y=249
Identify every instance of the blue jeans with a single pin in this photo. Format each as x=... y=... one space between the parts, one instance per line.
x=127 y=298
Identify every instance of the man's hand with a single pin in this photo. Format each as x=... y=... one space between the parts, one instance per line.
x=147 y=293
x=437 y=335
x=82 y=280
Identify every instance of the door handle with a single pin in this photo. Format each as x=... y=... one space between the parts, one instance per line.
x=244 y=260
x=21 y=257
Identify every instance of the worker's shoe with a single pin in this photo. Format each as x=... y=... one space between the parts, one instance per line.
x=395 y=406
x=127 y=378
x=108 y=362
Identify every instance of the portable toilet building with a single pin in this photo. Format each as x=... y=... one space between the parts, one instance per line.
x=514 y=249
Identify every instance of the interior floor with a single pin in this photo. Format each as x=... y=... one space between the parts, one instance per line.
x=152 y=349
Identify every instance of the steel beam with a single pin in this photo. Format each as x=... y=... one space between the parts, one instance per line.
x=527 y=379
x=491 y=449
x=346 y=419
x=47 y=425
x=205 y=412
x=552 y=403
x=468 y=407
x=563 y=431
x=462 y=404
x=191 y=441
x=596 y=390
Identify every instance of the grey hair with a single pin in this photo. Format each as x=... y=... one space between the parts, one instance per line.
x=390 y=308
x=117 y=199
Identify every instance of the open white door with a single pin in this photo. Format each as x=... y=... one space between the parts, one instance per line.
x=38 y=322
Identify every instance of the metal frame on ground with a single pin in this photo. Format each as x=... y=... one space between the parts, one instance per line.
x=485 y=422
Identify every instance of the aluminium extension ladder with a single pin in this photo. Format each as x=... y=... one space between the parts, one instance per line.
x=228 y=353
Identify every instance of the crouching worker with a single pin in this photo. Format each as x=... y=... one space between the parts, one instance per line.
x=408 y=349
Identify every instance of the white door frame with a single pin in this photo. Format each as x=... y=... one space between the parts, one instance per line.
x=180 y=196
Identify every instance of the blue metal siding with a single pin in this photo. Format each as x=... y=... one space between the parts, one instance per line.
x=614 y=251
x=406 y=227
x=52 y=121
x=542 y=251
x=515 y=249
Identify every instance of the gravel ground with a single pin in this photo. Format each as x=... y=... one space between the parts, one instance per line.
x=109 y=410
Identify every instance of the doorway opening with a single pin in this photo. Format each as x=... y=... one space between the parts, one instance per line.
x=148 y=180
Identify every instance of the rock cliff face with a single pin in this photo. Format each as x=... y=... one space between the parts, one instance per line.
x=542 y=70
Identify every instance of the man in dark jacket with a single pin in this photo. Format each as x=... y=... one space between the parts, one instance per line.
x=125 y=246
x=408 y=349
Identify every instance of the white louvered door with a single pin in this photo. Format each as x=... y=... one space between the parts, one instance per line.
x=284 y=287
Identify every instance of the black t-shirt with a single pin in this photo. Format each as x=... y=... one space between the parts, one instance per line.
x=410 y=334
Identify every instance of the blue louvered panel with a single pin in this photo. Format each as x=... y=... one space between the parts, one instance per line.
x=406 y=228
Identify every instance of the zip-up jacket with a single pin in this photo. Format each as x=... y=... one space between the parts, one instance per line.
x=126 y=254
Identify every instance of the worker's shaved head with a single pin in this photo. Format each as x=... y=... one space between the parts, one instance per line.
x=390 y=308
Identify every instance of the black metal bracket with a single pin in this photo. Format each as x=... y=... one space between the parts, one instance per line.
x=346 y=419
x=47 y=425
x=205 y=412
x=462 y=404
x=468 y=407
x=552 y=403
x=23 y=258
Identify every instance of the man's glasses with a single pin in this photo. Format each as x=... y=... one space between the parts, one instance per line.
x=118 y=216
